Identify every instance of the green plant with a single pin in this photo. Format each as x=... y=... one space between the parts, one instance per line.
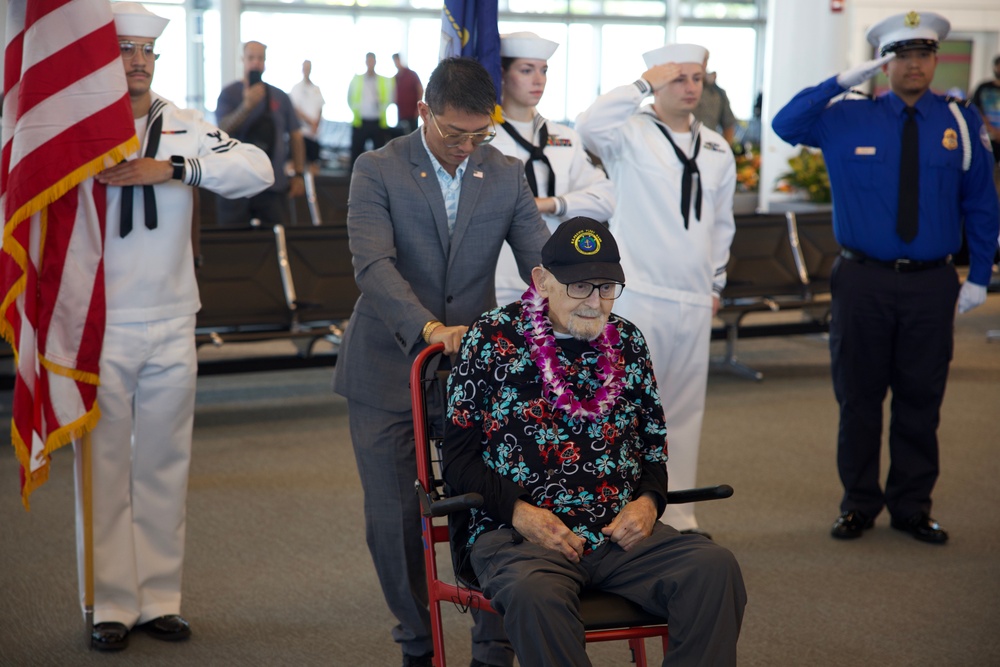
x=808 y=174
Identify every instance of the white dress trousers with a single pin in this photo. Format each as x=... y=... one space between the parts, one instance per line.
x=140 y=452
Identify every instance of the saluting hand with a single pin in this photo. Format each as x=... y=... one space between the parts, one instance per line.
x=143 y=171
x=660 y=75
x=861 y=73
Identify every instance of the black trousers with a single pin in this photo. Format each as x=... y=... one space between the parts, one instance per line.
x=368 y=130
x=893 y=331
x=270 y=207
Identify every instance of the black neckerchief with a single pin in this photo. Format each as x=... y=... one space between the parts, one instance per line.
x=148 y=196
x=690 y=170
x=534 y=153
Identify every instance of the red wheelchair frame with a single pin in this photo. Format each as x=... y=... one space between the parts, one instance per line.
x=607 y=617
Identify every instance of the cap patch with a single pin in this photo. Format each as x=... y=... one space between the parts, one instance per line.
x=586 y=242
x=912 y=20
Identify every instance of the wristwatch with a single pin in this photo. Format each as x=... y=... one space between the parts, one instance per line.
x=177 y=162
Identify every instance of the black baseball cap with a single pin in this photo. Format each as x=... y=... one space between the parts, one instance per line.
x=582 y=249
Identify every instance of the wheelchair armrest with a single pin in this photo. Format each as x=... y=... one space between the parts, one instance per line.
x=699 y=494
x=447 y=506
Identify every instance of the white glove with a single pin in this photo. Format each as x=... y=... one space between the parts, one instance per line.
x=972 y=295
x=858 y=75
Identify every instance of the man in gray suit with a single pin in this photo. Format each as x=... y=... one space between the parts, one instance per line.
x=427 y=216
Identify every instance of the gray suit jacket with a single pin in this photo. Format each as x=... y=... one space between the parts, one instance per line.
x=408 y=269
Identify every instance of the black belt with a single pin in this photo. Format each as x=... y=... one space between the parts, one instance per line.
x=897 y=265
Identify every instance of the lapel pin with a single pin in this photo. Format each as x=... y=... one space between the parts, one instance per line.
x=477 y=174
x=423 y=174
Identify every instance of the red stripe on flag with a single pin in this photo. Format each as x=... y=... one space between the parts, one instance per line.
x=51 y=266
x=85 y=57
x=39 y=9
x=96 y=135
x=12 y=62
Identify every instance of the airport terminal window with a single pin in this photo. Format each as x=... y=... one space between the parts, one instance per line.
x=701 y=9
x=731 y=54
x=622 y=47
x=170 y=77
x=602 y=47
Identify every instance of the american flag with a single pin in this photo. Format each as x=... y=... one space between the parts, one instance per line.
x=66 y=116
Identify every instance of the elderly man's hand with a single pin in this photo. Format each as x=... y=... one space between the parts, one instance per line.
x=542 y=527
x=143 y=171
x=633 y=524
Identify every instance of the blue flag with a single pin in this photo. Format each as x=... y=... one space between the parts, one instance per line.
x=469 y=28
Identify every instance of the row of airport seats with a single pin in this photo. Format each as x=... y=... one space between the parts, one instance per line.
x=269 y=283
x=778 y=263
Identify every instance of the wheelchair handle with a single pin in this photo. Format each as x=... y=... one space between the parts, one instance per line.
x=697 y=495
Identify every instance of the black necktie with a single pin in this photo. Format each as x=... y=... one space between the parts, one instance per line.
x=687 y=178
x=148 y=196
x=534 y=153
x=909 y=179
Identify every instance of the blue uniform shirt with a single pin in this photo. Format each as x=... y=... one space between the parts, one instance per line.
x=861 y=138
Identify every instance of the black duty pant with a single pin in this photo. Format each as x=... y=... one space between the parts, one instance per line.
x=270 y=207
x=369 y=129
x=893 y=331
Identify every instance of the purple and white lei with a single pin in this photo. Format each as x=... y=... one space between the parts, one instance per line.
x=558 y=391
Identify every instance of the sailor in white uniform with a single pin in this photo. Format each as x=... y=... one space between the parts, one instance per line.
x=674 y=180
x=141 y=447
x=561 y=175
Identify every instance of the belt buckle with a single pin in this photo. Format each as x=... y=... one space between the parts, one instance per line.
x=901 y=265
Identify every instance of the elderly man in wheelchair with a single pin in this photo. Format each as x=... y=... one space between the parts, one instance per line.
x=554 y=418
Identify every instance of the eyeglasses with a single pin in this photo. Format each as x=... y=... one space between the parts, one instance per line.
x=456 y=140
x=607 y=291
x=129 y=49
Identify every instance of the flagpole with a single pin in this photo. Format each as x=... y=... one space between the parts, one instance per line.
x=88 y=536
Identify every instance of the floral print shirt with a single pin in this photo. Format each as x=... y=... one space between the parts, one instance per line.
x=503 y=440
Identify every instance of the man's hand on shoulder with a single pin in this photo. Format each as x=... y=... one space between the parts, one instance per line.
x=143 y=171
x=542 y=527
x=634 y=523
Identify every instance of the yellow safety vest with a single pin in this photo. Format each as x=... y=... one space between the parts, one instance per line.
x=385 y=86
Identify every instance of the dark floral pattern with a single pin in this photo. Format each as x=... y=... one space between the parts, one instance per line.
x=584 y=471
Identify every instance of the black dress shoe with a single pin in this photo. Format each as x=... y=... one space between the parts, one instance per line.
x=171 y=628
x=851 y=525
x=424 y=660
x=109 y=637
x=922 y=527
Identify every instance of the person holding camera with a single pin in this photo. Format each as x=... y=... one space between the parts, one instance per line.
x=258 y=113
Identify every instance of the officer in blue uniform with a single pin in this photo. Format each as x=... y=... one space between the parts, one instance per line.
x=900 y=198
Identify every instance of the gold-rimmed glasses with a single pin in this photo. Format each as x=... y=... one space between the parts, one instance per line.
x=456 y=140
